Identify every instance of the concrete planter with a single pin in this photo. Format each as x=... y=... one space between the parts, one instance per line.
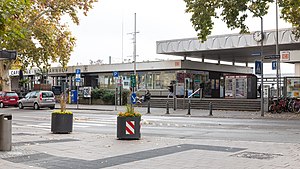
x=61 y=123
x=128 y=128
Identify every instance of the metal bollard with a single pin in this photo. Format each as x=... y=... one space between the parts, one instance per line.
x=210 y=108
x=174 y=103
x=167 y=108
x=189 y=107
x=5 y=132
x=148 y=112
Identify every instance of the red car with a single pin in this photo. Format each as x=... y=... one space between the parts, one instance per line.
x=8 y=99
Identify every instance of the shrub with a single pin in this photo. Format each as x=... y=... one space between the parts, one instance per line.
x=60 y=112
x=108 y=95
x=98 y=93
x=129 y=112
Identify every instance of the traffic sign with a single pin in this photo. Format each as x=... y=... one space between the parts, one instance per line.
x=133 y=98
x=116 y=74
x=77 y=71
x=8 y=54
x=77 y=76
x=132 y=80
x=258 y=66
x=274 y=65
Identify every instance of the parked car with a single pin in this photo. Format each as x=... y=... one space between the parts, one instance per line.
x=8 y=99
x=37 y=100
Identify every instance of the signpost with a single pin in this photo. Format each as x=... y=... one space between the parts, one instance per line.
x=116 y=75
x=77 y=81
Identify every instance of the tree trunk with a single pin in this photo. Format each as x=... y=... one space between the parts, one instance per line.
x=4 y=76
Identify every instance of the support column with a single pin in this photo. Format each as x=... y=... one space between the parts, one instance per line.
x=297 y=69
x=203 y=58
x=246 y=64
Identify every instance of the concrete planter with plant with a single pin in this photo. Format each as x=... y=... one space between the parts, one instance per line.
x=128 y=124
x=62 y=120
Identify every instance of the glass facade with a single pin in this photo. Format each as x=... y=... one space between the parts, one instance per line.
x=145 y=80
x=212 y=84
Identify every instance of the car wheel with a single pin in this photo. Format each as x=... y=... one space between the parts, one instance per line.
x=36 y=106
x=21 y=106
x=52 y=107
x=1 y=105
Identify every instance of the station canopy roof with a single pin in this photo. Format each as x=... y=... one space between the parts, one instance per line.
x=232 y=47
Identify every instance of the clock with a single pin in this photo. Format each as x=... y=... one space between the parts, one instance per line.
x=258 y=36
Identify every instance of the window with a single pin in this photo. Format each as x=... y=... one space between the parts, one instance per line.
x=11 y=94
x=47 y=94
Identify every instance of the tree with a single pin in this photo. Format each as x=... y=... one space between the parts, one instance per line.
x=235 y=12
x=35 y=29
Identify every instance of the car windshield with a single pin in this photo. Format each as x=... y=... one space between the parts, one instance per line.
x=28 y=95
x=11 y=94
x=47 y=94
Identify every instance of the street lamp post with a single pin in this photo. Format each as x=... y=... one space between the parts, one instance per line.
x=134 y=46
x=262 y=68
x=277 y=53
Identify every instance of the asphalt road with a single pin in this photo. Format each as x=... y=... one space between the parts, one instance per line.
x=260 y=130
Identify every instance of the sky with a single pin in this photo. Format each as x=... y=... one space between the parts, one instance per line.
x=110 y=23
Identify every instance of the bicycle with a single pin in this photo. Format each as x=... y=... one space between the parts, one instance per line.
x=275 y=106
x=296 y=105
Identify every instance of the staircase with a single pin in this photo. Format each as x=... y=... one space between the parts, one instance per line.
x=218 y=104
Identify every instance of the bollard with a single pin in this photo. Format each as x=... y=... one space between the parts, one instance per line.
x=167 y=107
x=210 y=108
x=5 y=132
x=148 y=112
x=174 y=103
x=189 y=107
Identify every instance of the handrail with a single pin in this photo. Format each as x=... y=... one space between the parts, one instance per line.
x=194 y=93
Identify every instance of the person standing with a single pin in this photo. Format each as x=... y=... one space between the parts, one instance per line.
x=259 y=90
x=147 y=95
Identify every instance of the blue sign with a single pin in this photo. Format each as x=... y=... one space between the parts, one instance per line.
x=116 y=74
x=133 y=98
x=274 y=65
x=77 y=71
x=258 y=67
x=77 y=76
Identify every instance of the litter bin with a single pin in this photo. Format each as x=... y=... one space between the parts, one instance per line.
x=5 y=132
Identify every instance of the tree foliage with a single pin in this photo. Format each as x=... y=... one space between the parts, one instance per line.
x=235 y=12
x=35 y=29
